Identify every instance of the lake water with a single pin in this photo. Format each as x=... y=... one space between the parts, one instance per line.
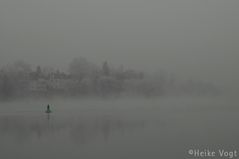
x=117 y=128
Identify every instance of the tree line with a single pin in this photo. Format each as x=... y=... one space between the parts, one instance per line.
x=84 y=78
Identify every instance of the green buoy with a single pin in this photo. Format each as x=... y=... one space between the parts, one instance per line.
x=48 y=110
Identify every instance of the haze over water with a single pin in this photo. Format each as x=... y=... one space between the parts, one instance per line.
x=124 y=79
x=117 y=128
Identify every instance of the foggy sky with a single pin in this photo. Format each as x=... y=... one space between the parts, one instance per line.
x=193 y=38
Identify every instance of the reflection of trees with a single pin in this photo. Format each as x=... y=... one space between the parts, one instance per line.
x=80 y=130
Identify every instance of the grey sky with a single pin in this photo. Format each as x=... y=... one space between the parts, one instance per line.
x=194 y=38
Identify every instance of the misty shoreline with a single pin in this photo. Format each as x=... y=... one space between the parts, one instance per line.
x=86 y=79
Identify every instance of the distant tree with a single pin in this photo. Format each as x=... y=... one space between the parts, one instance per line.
x=81 y=68
x=106 y=69
x=22 y=66
x=38 y=72
x=15 y=78
x=7 y=87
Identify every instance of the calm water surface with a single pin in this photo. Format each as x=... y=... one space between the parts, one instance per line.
x=117 y=128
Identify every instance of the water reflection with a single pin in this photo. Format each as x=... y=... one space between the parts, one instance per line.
x=78 y=129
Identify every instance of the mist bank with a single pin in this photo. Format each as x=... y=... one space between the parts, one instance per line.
x=86 y=79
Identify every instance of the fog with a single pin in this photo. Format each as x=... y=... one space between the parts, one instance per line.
x=118 y=79
x=193 y=39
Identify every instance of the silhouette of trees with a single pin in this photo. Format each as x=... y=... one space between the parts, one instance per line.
x=85 y=79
